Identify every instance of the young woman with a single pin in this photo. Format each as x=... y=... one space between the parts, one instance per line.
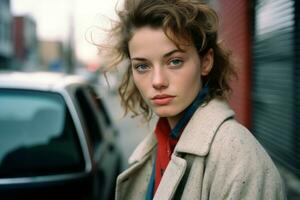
x=178 y=71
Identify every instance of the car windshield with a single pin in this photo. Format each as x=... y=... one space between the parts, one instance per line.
x=37 y=135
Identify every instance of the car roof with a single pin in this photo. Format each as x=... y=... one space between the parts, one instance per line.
x=38 y=80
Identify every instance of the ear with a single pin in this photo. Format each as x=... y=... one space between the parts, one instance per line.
x=207 y=62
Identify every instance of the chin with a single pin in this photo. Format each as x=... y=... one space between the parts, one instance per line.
x=164 y=112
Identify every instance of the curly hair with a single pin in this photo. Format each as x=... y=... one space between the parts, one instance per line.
x=182 y=21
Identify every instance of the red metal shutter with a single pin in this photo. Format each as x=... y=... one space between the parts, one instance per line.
x=235 y=31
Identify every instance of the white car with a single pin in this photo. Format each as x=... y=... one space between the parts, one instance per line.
x=56 y=139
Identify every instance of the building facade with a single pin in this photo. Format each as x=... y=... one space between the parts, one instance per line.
x=6 y=42
x=25 y=44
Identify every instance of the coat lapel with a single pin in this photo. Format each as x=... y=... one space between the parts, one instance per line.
x=198 y=135
x=134 y=180
x=143 y=148
x=138 y=161
x=171 y=178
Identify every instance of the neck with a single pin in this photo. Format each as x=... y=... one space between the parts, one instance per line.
x=174 y=120
x=178 y=123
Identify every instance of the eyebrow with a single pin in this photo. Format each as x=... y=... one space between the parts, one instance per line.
x=165 y=55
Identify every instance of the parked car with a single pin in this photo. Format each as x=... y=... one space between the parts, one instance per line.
x=57 y=140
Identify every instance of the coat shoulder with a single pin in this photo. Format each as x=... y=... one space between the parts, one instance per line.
x=235 y=135
x=237 y=162
x=237 y=142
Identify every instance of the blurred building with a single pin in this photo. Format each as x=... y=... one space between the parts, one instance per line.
x=25 y=44
x=51 y=55
x=56 y=56
x=264 y=36
x=6 y=44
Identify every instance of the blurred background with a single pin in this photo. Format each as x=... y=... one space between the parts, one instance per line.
x=52 y=35
x=263 y=35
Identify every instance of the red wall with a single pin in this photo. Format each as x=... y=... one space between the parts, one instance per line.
x=235 y=30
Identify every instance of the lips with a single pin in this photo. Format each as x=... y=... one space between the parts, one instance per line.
x=161 y=100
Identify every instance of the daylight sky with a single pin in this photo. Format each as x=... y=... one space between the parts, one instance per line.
x=54 y=17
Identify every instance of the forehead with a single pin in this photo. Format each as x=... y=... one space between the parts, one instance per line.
x=148 y=40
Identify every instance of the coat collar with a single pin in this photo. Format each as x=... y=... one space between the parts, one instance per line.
x=201 y=129
x=143 y=148
x=197 y=135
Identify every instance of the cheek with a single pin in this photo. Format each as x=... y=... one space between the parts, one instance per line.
x=140 y=84
x=190 y=79
x=136 y=80
x=191 y=87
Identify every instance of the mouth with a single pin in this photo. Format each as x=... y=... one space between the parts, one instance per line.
x=161 y=100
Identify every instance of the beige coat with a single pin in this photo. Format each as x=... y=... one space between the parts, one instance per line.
x=216 y=158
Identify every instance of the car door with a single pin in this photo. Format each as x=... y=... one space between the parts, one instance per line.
x=98 y=131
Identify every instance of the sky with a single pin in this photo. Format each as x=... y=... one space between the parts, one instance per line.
x=54 y=19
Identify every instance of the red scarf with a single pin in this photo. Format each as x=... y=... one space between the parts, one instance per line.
x=165 y=148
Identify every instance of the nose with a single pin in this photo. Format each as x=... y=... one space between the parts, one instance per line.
x=159 y=78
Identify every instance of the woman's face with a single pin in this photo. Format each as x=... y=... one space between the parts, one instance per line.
x=167 y=78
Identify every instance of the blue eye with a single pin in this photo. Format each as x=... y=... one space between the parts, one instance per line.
x=141 y=68
x=176 y=62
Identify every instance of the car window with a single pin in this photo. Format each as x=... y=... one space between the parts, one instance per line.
x=90 y=118
x=100 y=106
x=37 y=135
